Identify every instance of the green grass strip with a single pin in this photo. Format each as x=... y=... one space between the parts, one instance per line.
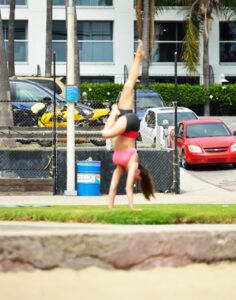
x=150 y=214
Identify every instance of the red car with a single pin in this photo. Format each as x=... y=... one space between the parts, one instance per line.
x=205 y=141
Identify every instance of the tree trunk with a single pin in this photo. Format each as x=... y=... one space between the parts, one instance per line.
x=6 y=117
x=11 y=38
x=146 y=42
x=48 y=56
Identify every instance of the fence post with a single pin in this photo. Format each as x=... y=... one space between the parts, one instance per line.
x=54 y=140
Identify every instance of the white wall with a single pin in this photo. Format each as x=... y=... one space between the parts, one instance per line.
x=123 y=15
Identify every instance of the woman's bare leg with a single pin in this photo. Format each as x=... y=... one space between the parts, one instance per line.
x=127 y=96
x=114 y=126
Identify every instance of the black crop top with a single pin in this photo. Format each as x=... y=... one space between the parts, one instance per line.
x=133 y=122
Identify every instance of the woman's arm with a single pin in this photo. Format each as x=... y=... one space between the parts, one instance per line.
x=114 y=184
x=131 y=177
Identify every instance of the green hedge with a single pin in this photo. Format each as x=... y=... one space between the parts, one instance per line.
x=222 y=98
x=98 y=92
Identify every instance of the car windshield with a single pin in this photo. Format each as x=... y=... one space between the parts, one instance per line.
x=148 y=102
x=27 y=92
x=48 y=84
x=207 y=130
x=170 y=117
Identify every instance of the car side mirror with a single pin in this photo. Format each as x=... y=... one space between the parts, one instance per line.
x=47 y=100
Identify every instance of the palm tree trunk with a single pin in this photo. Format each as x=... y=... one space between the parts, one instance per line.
x=146 y=42
x=11 y=37
x=48 y=56
x=6 y=117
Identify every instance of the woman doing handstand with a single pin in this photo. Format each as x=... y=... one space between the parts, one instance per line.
x=123 y=125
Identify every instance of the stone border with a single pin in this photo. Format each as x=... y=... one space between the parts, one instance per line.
x=47 y=246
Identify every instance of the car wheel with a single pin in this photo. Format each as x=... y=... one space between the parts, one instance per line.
x=183 y=161
x=45 y=143
x=98 y=143
x=234 y=166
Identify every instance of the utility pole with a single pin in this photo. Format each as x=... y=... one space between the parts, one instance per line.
x=72 y=96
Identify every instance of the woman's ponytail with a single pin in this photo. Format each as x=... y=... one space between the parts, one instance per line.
x=146 y=183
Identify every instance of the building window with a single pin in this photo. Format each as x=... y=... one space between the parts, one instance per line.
x=18 y=2
x=168 y=39
x=157 y=3
x=96 y=79
x=86 y=2
x=95 y=41
x=227 y=42
x=171 y=79
x=21 y=42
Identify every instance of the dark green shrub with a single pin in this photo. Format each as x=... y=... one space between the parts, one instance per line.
x=222 y=98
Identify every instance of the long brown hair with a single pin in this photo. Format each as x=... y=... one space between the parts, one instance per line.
x=146 y=183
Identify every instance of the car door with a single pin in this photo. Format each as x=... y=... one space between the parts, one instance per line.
x=148 y=127
x=180 y=138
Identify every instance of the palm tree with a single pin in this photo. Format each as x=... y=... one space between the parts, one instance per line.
x=145 y=14
x=6 y=117
x=11 y=37
x=48 y=56
x=199 y=17
x=145 y=11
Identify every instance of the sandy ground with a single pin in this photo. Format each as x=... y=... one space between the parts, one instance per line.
x=193 y=282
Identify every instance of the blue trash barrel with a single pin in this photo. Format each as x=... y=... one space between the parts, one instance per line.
x=88 y=178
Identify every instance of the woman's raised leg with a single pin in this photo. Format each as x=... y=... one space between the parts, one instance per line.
x=127 y=96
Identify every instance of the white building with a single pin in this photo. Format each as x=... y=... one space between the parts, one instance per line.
x=106 y=34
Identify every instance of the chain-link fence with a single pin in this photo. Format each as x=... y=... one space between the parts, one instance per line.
x=32 y=132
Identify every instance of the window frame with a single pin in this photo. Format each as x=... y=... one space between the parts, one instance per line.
x=86 y=5
x=158 y=42
x=82 y=42
x=17 y=4
x=20 y=40
x=225 y=42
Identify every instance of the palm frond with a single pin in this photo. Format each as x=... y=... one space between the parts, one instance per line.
x=227 y=8
x=190 y=51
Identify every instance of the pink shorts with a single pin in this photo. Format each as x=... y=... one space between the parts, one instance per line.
x=122 y=157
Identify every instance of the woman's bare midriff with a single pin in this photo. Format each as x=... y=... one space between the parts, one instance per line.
x=123 y=143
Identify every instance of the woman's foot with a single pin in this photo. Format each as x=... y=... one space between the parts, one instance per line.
x=115 y=110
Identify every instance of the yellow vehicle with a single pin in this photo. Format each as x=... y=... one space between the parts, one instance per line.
x=44 y=113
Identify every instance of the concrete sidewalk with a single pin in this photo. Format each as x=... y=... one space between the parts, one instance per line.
x=193 y=190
